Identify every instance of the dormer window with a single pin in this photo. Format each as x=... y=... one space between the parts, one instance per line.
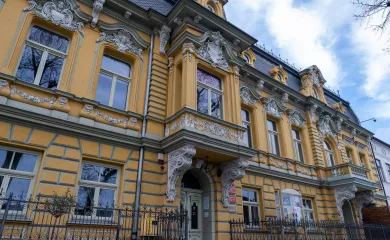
x=210 y=8
x=247 y=59
x=279 y=74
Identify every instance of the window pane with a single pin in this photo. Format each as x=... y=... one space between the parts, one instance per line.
x=29 y=64
x=255 y=214
x=90 y=172
x=5 y=158
x=272 y=126
x=51 y=72
x=203 y=100
x=103 y=89
x=209 y=79
x=18 y=188
x=106 y=203
x=115 y=66
x=252 y=196
x=276 y=142
x=247 y=137
x=245 y=195
x=277 y=199
x=246 y=215
x=108 y=175
x=24 y=162
x=85 y=201
x=120 y=95
x=49 y=39
x=216 y=102
x=245 y=115
x=300 y=152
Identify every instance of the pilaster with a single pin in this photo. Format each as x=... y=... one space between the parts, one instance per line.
x=188 y=94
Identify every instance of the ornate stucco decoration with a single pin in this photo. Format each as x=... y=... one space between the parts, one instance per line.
x=273 y=107
x=248 y=97
x=363 y=199
x=235 y=170
x=236 y=70
x=339 y=107
x=284 y=99
x=59 y=13
x=97 y=8
x=309 y=77
x=296 y=117
x=3 y=84
x=273 y=162
x=343 y=194
x=32 y=98
x=279 y=74
x=313 y=110
x=260 y=86
x=179 y=161
x=188 y=51
x=214 y=49
x=165 y=33
x=170 y=64
x=327 y=127
x=89 y=109
x=123 y=40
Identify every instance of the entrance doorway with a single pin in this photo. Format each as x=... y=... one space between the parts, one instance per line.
x=348 y=212
x=196 y=197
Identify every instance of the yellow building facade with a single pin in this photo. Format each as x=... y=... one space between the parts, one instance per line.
x=173 y=107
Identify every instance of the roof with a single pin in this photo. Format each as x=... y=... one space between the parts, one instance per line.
x=160 y=6
x=380 y=141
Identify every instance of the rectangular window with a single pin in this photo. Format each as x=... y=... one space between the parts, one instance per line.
x=308 y=209
x=388 y=168
x=17 y=173
x=97 y=191
x=273 y=137
x=251 y=205
x=209 y=94
x=246 y=122
x=114 y=83
x=349 y=155
x=380 y=170
x=298 y=145
x=288 y=206
x=362 y=160
x=43 y=58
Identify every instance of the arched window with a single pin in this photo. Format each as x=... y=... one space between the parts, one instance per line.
x=329 y=154
x=315 y=94
x=210 y=8
x=247 y=59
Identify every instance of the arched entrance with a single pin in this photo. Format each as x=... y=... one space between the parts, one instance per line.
x=197 y=197
x=348 y=212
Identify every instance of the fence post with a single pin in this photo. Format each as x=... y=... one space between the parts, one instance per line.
x=270 y=228
x=5 y=216
x=296 y=229
x=231 y=231
x=118 y=227
x=384 y=233
x=186 y=225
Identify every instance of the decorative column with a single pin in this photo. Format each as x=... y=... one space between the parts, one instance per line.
x=343 y=194
x=179 y=161
x=235 y=170
x=188 y=94
x=362 y=199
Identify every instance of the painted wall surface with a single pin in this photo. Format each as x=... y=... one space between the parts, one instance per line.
x=382 y=153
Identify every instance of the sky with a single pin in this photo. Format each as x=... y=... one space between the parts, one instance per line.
x=325 y=33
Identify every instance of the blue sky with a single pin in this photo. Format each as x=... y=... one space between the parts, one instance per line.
x=325 y=33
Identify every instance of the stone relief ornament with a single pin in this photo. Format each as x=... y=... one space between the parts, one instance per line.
x=343 y=194
x=313 y=110
x=62 y=101
x=284 y=99
x=188 y=51
x=276 y=163
x=58 y=12
x=123 y=40
x=361 y=200
x=235 y=170
x=197 y=19
x=32 y=98
x=303 y=171
x=97 y=8
x=327 y=127
x=179 y=161
x=165 y=33
x=111 y=120
x=3 y=84
x=212 y=50
x=260 y=86
x=236 y=70
x=170 y=64
x=296 y=117
x=273 y=107
x=248 y=97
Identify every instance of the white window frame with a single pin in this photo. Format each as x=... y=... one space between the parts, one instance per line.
x=247 y=59
x=349 y=156
x=8 y=174
x=298 y=142
x=252 y=204
x=248 y=126
x=115 y=77
x=291 y=193
x=272 y=133
x=307 y=211
x=45 y=53
x=97 y=186
x=388 y=169
x=329 y=153
x=211 y=89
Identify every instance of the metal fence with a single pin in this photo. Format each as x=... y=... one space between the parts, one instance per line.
x=306 y=230
x=21 y=219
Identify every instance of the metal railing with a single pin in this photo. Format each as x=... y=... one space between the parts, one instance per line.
x=38 y=219
x=306 y=230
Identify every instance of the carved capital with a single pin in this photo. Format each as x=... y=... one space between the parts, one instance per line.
x=343 y=194
x=235 y=170
x=179 y=161
x=170 y=64
x=188 y=51
x=313 y=110
x=165 y=33
x=363 y=199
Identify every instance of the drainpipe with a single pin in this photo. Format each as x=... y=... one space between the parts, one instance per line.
x=141 y=153
x=383 y=187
